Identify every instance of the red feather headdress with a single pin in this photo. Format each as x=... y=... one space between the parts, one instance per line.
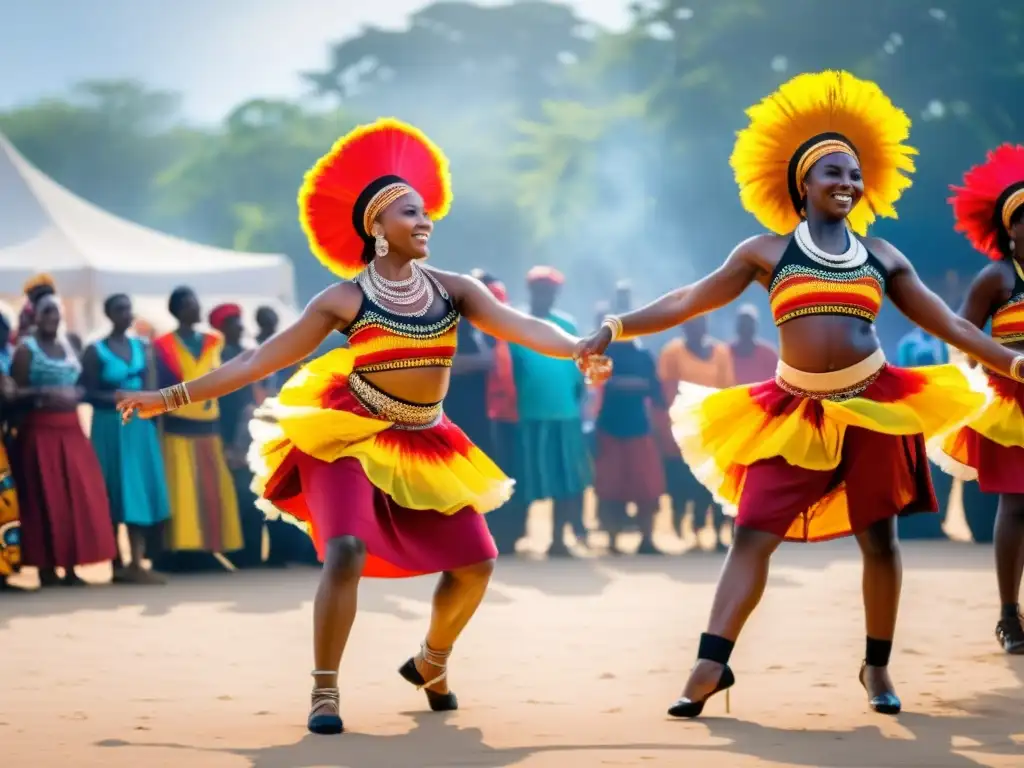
x=991 y=193
x=370 y=164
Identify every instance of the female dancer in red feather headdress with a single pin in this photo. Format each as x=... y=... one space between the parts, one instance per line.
x=356 y=446
x=989 y=210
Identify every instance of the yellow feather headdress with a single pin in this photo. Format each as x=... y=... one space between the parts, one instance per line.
x=807 y=118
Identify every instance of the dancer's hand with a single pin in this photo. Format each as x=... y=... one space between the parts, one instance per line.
x=145 y=405
x=594 y=344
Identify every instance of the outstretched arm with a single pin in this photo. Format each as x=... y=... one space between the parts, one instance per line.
x=725 y=284
x=331 y=308
x=983 y=295
x=925 y=309
x=706 y=295
x=478 y=305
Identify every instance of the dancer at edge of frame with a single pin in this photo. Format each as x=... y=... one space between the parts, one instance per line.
x=357 y=446
x=989 y=210
x=835 y=444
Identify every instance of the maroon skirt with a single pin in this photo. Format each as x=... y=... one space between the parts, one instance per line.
x=399 y=542
x=1000 y=467
x=883 y=476
x=628 y=469
x=65 y=513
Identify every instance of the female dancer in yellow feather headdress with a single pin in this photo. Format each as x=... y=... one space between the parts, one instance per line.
x=357 y=446
x=835 y=444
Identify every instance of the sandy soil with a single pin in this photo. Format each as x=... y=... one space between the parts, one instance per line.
x=568 y=663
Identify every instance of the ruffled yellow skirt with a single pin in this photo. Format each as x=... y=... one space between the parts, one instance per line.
x=991 y=448
x=343 y=458
x=816 y=456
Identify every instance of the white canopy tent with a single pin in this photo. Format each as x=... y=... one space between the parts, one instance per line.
x=91 y=254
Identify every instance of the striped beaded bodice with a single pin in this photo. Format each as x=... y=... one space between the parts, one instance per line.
x=1008 y=319
x=801 y=286
x=384 y=341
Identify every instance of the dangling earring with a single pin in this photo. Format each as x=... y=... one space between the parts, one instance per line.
x=380 y=245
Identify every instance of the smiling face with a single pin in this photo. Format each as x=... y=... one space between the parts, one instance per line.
x=407 y=227
x=834 y=185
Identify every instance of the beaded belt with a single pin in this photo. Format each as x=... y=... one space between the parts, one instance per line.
x=388 y=408
x=405 y=363
x=835 y=386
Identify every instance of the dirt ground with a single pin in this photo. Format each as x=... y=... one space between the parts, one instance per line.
x=568 y=663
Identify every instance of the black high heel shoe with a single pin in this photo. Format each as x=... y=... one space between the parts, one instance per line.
x=887 y=703
x=439 y=702
x=716 y=649
x=1010 y=634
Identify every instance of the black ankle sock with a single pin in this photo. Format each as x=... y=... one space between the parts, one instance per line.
x=1011 y=610
x=878 y=652
x=714 y=648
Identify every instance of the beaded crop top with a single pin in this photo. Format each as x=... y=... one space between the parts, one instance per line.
x=385 y=341
x=808 y=281
x=1008 y=320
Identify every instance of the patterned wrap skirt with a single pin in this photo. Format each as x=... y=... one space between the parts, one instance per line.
x=991 y=448
x=341 y=457
x=10 y=525
x=815 y=456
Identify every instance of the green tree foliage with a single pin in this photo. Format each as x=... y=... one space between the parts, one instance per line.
x=238 y=188
x=106 y=141
x=569 y=145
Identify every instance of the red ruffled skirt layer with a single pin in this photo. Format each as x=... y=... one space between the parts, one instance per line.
x=991 y=448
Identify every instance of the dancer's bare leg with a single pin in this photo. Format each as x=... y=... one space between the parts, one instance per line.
x=739 y=590
x=456 y=598
x=881 y=583
x=1009 y=550
x=334 y=610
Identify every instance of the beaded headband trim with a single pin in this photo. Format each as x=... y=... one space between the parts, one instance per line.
x=380 y=201
x=1013 y=202
x=817 y=151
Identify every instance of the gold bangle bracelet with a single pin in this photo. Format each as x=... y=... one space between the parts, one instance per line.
x=175 y=396
x=1015 y=368
x=614 y=325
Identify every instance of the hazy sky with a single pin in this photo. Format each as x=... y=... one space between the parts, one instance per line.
x=216 y=52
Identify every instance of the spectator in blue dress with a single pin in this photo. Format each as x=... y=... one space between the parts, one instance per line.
x=129 y=454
